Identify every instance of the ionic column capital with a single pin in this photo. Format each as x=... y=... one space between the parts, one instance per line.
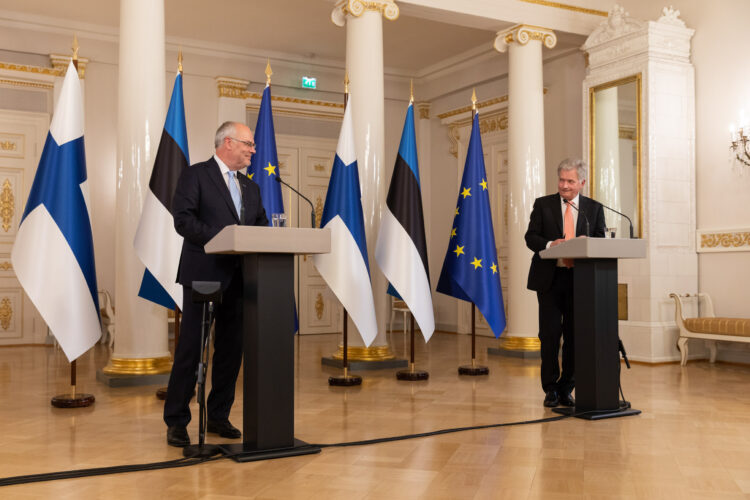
x=523 y=34
x=356 y=8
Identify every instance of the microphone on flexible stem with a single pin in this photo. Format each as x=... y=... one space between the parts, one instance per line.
x=588 y=232
x=312 y=209
x=620 y=213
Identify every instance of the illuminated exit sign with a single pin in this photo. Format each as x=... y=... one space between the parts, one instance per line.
x=309 y=82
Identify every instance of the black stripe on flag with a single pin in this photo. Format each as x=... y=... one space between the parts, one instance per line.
x=170 y=160
x=405 y=203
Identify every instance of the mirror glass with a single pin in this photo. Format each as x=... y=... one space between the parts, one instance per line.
x=615 y=151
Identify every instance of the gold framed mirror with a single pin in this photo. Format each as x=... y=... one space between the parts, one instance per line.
x=615 y=151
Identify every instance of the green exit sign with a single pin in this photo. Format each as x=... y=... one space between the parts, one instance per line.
x=309 y=82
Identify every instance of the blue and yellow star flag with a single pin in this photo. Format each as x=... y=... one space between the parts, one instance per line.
x=471 y=270
x=264 y=166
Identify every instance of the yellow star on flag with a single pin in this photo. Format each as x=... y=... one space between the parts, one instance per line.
x=483 y=184
x=466 y=192
x=456 y=210
x=453 y=232
x=251 y=175
x=476 y=263
x=459 y=250
x=494 y=268
x=271 y=169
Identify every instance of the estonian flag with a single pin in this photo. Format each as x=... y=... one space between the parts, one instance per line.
x=53 y=255
x=156 y=242
x=470 y=269
x=401 y=250
x=346 y=268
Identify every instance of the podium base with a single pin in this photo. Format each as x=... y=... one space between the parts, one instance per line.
x=345 y=380
x=72 y=401
x=473 y=370
x=243 y=452
x=412 y=376
x=598 y=414
x=201 y=450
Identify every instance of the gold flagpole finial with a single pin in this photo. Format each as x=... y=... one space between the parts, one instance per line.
x=268 y=71
x=179 y=61
x=474 y=99
x=411 y=91
x=75 y=47
x=346 y=82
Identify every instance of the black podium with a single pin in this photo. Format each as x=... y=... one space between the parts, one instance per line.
x=597 y=359
x=268 y=323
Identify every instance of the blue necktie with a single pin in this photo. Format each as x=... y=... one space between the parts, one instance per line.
x=234 y=191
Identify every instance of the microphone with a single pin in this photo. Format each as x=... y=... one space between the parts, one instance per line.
x=588 y=232
x=312 y=209
x=620 y=213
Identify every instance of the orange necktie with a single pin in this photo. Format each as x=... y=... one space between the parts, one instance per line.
x=569 y=230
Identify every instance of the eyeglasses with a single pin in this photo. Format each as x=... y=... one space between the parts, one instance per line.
x=246 y=143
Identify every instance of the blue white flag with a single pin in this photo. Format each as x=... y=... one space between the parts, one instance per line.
x=470 y=269
x=53 y=255
x=264 y=166
x=156 y=242
x=401 y=250
x=346 y=268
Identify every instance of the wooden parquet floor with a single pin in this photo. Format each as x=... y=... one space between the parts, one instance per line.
x=692 y=440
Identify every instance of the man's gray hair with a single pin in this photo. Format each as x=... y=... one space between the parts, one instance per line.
x=570 y=164
x=226 y=129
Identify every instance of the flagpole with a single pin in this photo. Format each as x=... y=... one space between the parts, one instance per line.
x=73 y=400
x=473 y=369
x=412 y=374
x=345 y=379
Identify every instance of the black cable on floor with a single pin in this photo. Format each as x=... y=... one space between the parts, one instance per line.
x=185 y=462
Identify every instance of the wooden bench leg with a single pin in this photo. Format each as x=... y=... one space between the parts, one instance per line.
x=682 y=344
x=712 y=350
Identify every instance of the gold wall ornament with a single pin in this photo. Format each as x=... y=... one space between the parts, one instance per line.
x=7 y=205
x=564 y=6
x=319 y=306
x=26 y=83
x=8 y=146
x=60 y=64
x=6 y=312
x=32 y=69
x=724 y=241
x=424 y=110
x=6 y=265
x=319 y=168
x=318 y=210
x=356 y=8
x=493 y=122
x=523 y=34
x=232 y=87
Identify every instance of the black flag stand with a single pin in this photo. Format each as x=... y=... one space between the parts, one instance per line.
x=345 y=380
x=474 y=368
x=412 y=374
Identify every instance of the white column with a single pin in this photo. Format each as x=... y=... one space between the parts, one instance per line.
x=364 y=61
x=607 y=184
x=526 y=171
x=141 y=344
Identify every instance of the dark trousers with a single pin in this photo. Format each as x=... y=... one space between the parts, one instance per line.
x=555 y=322
x=226 y=360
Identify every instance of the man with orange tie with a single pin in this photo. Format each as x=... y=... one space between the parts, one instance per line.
x=555 y=218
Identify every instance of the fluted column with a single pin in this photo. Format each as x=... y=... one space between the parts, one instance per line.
x=141 y=343
x=606 y=185
x=364 y=61
x=526 y=172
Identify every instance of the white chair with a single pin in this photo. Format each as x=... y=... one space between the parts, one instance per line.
x=398 y=306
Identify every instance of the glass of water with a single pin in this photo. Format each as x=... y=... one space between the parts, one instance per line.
x=278 y=220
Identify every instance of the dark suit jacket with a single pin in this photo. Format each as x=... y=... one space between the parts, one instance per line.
x=201 y=207
x=546 y=224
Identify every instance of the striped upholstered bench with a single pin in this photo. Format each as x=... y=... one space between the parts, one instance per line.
x=707 y=327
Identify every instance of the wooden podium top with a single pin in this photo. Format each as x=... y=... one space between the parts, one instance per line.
x=597 y=248
x=262 y=239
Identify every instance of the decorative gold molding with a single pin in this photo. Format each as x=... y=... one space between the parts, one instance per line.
x=523 y=34
x=375 y=353
x=6 y=313
x=319 y=168
x=232 y=87
x=525 y=344
x=32 y=69
x=628 y=132
x=724 y=240
x=60 y=64
x=493 y=122
x=319 y=306
x=8 y=146
x=6 y=265
x=7 y=205
x=356 y=8
x=26 y=83
x=480 y=105
x=424 y=110
x=138 y=366
x=574 y=8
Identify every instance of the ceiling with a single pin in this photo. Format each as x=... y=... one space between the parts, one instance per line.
x=299 y=29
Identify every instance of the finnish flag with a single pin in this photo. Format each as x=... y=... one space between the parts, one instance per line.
x=53 y=255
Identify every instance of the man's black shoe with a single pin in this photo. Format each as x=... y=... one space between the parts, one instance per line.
x=177 y=435
x=567 y=400
x=223 y=429
x=552 y=399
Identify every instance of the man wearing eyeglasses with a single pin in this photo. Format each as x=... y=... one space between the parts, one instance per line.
x=210 y=196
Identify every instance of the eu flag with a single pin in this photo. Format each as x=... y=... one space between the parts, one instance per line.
x=264 y=166
x=471 y=268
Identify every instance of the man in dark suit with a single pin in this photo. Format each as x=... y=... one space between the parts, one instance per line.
x=210 y=196
x=553 y=220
